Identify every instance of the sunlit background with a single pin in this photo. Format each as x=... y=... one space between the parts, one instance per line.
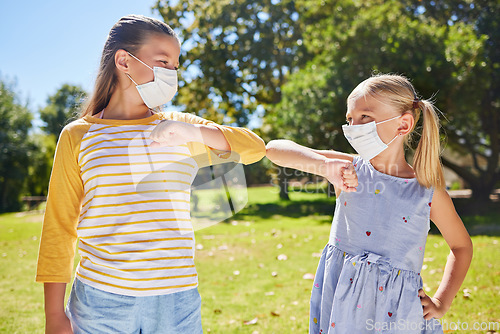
x=45 y=44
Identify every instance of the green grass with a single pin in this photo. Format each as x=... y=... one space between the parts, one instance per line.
x=241 y=278
x=21 y=309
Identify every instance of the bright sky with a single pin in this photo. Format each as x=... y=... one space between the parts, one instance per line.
x=44 y=44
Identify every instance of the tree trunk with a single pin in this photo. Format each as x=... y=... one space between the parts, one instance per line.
x=3 y=197
x=481 y=192
x=283 y=184
x=482 y=185
x=331 y=191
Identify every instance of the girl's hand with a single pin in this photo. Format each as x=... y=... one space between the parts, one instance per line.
x=433 y=308
x=174 y=133
x=58 y=324
x=341 y=174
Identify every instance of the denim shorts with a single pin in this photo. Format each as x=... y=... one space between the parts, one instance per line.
x=94 y=311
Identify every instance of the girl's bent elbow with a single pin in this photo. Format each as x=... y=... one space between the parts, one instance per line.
x=270 y=153
x=277 y=145
x=466 y=250
x=470 y=246
x=271 y=145
x=270 y=148
x=469 y=251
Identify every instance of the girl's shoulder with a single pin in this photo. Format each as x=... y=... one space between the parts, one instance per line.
x=168 y=115
x=76 y=128
x=71 y=137
x=174 y=116
x=183 y=117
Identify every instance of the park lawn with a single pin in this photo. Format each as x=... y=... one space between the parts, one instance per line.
x=244 y=287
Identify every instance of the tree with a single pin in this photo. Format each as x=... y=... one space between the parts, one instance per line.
x=352 y=39
x=41 y=160
x=61 y=107
x=474 y=126
x=237 y=54
x=15 y=148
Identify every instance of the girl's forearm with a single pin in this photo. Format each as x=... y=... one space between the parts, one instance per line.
x=211 y=136
x=54 y=294
x=454 y=274
x=286 y=153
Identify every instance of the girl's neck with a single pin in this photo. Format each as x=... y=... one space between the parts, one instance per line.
x=393 y=163
x=122 y=106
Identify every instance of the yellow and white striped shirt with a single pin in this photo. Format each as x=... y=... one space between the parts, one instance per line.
x=128 y=204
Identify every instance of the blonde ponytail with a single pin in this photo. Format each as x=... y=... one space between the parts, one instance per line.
x=426 y=161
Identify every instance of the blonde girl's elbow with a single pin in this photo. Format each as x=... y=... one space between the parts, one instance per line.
x=465 y=250
x=272 y=144
x=470 y=248
x=271 y=154
x=271 y=148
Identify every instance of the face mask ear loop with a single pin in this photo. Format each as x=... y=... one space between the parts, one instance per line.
x=387 y=120
x=393 y=139
x=399 y=134
x=135 y=83
x=131 y=55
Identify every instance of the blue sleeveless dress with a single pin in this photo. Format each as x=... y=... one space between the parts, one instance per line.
x=368 y=276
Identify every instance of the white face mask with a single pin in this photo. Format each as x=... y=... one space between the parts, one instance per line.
x=159 y=91
x=365 y=139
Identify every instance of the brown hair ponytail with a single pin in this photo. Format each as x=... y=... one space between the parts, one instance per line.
x=129 y=33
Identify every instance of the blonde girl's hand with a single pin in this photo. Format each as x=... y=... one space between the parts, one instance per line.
x=433 y=308
x=341 y=174
x=350 y=177
x=174 y=133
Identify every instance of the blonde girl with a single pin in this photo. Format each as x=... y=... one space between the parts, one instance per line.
x=368 y=278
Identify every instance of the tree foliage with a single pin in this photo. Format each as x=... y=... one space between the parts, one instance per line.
x=61 y=107
x=474 y=124
x=41 y=160
x=26 y=154
x=15 y=148
x=237 y=54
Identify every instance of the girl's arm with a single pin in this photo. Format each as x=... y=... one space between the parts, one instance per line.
x=337 y=169
x=58 y=239
x=450 y=225
x=64 y=201
x=209 y=142
x=56 y=320
x=173 y=133
x=334 y=154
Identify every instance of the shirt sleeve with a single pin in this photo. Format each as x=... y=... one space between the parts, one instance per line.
x=59 y=235
x=246 y=146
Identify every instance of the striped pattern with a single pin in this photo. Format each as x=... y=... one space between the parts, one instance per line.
x=134 y=228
